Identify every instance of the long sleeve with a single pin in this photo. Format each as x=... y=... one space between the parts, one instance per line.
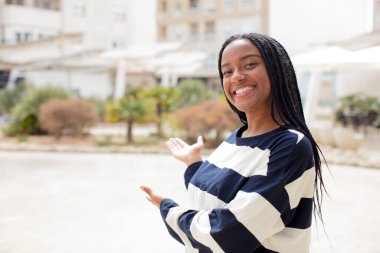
x=190 y=171
x=268 y=203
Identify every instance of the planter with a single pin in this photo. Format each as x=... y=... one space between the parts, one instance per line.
x=347 y=138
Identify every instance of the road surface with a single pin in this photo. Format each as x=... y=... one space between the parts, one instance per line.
x=76 y=202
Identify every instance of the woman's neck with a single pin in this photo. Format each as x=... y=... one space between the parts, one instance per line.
x=258 y=124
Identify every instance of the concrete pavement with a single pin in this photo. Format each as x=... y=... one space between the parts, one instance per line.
x=82 y=202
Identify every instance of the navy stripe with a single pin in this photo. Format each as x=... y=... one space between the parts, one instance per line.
x=228 y=232
x=184 y=223
x=223 y=183
x=190 y=171
x=271 y=190
x=165 y=206
x=302 y=215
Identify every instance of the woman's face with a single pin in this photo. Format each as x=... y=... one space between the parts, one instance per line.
x=245 y=78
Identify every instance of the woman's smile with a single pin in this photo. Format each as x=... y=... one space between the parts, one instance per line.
x=244 y=91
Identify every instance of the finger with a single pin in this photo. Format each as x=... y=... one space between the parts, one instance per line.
x=200 y=140
x=181 y=142
x=147 y=190
x=199 y=144
x=171 y=144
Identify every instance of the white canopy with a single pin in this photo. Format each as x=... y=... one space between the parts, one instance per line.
x=336 y=58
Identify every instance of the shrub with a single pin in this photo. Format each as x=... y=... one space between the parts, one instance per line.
x=358 y=111
x=193 y=92
x=9 y=98
x=211 y=118
x=70 y=116
x=25 y=114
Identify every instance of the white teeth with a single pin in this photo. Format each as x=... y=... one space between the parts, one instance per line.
x=242 y=90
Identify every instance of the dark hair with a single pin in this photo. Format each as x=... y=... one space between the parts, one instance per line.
x=285 y=96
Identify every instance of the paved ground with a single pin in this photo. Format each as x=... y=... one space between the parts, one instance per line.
x=67 y=202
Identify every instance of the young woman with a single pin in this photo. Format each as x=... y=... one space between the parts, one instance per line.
x=255 y=192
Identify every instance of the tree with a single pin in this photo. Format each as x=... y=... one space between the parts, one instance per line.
x=212 y=117
x=132 y=108
x=164 y=98
x=193 y=92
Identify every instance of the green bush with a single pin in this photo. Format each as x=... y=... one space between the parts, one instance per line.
x=193 y=91
x=358 y=111
x=10 y=97
x=25 y=114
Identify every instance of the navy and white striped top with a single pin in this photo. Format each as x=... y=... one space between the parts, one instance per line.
x=252 y=194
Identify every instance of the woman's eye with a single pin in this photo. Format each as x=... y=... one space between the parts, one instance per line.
x=250 y=65
x=227 y=73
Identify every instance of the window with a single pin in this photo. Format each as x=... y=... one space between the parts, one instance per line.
x=245 y=4
x=15 y=2
x=162 y=6
x=227 y=5
x=78 y=8
x=328 y=89
x=118 y=13
x=210 y=30
x=227 y=31
x=257 y=5
x=251 y=25
x=194 y=6
x=211 y=60
x=177 y=9
x=178 y=37
x=303 y=85
x=117 y=43
x=43 y=4
x=162 y=33
x=194 y=31
x=209 y=6
x=21 y=37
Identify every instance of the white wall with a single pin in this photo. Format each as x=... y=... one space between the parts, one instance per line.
x=302 y=24
x=87 y=84
x=363 y=82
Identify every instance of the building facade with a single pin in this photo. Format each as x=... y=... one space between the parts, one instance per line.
x=203 y=25
x=41 y=28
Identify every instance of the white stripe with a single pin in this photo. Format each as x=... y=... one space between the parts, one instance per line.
x=257 y=214
x=200 y=229
x=302 y=187
x=172 y=220
x=300 y=135
x=289 y=240
x=202 y=200
x=244 y=160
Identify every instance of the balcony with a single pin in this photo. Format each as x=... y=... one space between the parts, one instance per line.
x=31 y=16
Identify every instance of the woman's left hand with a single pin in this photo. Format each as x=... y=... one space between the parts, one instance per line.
x=155 y=199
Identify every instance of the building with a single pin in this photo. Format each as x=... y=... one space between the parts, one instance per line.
x=62 y=40
x=203 y=25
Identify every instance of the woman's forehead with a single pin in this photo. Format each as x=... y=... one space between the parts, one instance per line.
x=239 y=47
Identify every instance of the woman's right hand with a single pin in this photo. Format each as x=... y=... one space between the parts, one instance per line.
x=184 y=152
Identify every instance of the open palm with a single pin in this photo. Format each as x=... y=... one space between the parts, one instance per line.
x=184 y=152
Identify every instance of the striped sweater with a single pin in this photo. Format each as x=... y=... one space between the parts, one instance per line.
x=252 y=194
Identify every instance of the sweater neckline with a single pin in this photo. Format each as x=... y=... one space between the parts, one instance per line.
x=254 y=139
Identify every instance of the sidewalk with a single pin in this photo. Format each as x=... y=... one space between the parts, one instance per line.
x=367 y=156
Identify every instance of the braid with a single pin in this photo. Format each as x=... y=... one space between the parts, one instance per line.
x=285 y=95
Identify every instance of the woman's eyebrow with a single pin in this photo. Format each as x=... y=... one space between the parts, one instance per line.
x=242 y=58
x=250 y=55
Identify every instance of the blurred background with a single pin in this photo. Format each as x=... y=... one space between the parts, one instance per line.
x=82 y=81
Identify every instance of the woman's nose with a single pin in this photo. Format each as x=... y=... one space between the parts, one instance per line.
x=237 y=76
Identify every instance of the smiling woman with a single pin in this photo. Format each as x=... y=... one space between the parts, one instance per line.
x=255 y=192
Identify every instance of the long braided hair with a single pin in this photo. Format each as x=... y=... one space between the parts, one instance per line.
x=285 y=96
